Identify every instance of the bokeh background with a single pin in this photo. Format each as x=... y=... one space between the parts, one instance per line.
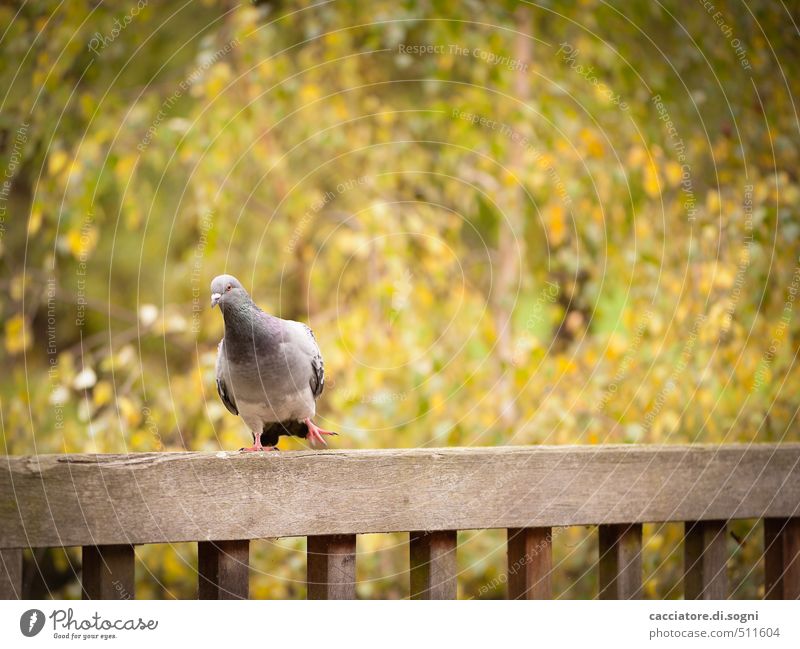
x=507 y=223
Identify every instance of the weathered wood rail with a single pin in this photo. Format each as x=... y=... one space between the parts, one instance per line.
x=109 y=503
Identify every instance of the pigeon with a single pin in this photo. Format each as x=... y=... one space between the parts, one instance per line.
x=269 y=370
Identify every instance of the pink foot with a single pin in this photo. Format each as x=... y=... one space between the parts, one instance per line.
x=315 y=433
x=256 y=447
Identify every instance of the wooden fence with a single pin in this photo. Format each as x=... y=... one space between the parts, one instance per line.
x=109 y=503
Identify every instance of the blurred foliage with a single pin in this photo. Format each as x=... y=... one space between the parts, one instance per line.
x=491 y=249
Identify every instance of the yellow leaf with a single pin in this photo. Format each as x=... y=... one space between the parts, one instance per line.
x=334 y=38
x=724 y=278
x=651 y=183
x=124 y=167
x=102 y=393
x=673 y=173
x=509 y=179
x=556 y=224
x=57 y=162
x=35 y=220
x=217 y=79
x=617 y=346
x=713 y=202
x=566 y=365
x=593 y=144
x=309 y=92
x=128 y=411
x=18 y=336
x=546 y=161
x=655 y=542
x=82 y=242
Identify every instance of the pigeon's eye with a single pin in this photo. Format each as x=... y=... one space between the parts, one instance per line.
x=228 y=287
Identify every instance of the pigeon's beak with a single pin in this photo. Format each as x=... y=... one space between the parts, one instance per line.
x=215 y=299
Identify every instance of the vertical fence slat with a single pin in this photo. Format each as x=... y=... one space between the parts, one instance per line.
x=108 y=572
x=432 y=561
x=331 y=566
x=530 y=562
x=223 y=569
x=791 y=559
x=782 y=558
x=773 y=557
x=620 y=569
x=705 y=557
x=11 y=574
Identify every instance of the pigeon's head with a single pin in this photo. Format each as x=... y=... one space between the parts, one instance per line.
x=225 y=290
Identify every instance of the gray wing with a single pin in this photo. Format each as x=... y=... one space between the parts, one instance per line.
x=317 y=370
x=303 y=338
x=222 y=387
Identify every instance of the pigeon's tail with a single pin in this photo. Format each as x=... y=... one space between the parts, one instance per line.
x=271 y=432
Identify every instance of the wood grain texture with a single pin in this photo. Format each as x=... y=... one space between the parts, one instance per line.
x=530 y=563
x=620 y=562
x=54 y=500
x=331 y=566
x=108 y=572
x=705 y=558
x=11 y=574
x=432 y=565
x=223 y=570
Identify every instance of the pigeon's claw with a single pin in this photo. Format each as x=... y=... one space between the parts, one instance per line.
x=315 y=433
x=257 y=446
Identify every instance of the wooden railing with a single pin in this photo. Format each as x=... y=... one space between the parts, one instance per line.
x=109 y=503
